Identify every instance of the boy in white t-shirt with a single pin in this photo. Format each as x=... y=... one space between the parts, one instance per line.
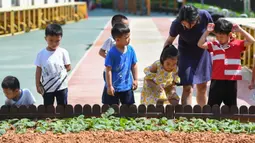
x=52 y=64
x=15 y=95
x=110 y=42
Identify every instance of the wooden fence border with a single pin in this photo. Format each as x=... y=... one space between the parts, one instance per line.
x=242 y=114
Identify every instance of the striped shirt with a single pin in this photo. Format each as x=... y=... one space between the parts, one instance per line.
x=54 y=74
x=227 y=60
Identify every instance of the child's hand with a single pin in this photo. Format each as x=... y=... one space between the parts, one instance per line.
x=173 y=99
x=135 y=85
x=39 y=89
x=251 y=86
x=236 y=28
x=160 y=88
x=110 y=91
x=210 y=27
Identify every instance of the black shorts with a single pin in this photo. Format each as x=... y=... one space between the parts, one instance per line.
x=125 y=97
x=104 y=76
x=61 y=96
x=223 y=91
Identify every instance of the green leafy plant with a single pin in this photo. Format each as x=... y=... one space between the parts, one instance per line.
x=109 y=122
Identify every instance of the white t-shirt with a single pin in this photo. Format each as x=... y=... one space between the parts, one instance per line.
x=26 y=98
x=179 y=0
x=54 y=74
x=108 y=44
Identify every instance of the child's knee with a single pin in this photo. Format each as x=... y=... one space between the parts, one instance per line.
x=187 y=89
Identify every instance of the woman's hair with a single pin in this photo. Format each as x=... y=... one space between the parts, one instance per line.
x=169 y=51
x=188 y=13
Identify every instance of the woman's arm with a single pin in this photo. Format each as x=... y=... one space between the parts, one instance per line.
x=169 y=40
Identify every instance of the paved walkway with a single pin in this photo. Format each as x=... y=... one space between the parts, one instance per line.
x=83 y=40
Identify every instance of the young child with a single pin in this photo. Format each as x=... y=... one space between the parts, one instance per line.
x=226 y=68
x=110 y=42
x=161 y=77
x=120 y=62
x=15 y=95
x=52 y=63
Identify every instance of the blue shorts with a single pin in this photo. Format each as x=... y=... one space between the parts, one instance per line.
x=125 y=97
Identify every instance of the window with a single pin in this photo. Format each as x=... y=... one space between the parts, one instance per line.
x=56 y=1
x=1 y=4
x=33 y=2
x=15 y=3
x=45 y=1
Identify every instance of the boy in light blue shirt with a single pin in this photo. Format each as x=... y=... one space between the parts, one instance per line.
x=15 y=95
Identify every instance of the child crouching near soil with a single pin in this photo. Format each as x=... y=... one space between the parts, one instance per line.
x=161 y=78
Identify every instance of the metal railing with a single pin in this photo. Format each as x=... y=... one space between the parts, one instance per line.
x=24 y=19
x=248 y=55
x=142 y=7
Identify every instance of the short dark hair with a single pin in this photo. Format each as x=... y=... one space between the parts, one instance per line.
x=118 y=19
x=188 y=13
x=223 y=26
x=216 y=16
x=169 y=51
x=53 y=30
x=119 y=30
x=10 y=82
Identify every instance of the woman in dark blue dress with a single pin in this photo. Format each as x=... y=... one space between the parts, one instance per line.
x=194 y=63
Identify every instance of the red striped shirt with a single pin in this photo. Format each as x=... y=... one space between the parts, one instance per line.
x=227 y=59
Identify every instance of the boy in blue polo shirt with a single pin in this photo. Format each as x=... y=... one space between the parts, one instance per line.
x=120 y=62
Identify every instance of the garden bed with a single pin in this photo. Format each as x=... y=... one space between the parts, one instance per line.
x=109 y=128
x=127 y=137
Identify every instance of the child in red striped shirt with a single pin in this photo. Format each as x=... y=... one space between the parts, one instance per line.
x=226 y=68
